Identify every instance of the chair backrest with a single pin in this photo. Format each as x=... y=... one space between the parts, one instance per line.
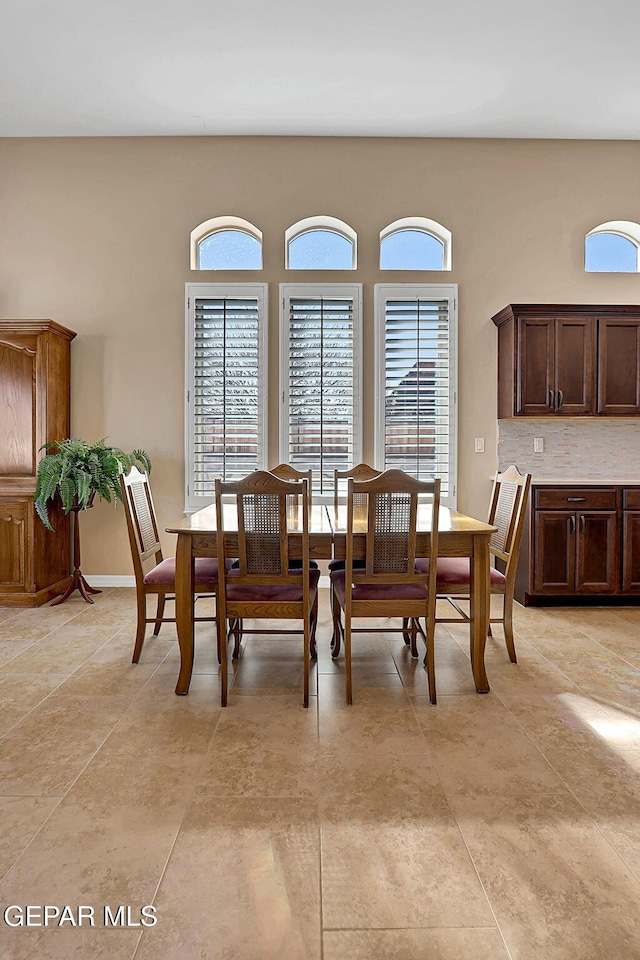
x=507 y=512
x=286 y=472
x=362 y=471
x=264 y=527
x=391 y=526
x=141 y=520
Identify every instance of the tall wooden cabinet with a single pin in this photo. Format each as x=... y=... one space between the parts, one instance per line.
x=35 y=564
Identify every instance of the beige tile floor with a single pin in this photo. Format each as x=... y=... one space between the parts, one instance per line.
x=485 y=828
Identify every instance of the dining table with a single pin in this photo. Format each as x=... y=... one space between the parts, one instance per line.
x=458 y=536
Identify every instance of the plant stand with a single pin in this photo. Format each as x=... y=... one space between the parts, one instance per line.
x=78 y=582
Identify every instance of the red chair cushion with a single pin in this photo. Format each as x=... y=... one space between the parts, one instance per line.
x=378 y=591
x=206 y=572
x=264 y=592
x=455 y=572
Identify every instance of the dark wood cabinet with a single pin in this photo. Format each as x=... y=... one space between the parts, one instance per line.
x=35 y=564
x=580 y=542
x=564 y=360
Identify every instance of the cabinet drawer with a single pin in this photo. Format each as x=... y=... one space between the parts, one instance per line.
x=631 y=499
x=567 y=498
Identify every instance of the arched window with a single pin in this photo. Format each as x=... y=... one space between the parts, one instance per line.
x=415 y=243
x=613 y=247
x=320 y=243
x=226 y=243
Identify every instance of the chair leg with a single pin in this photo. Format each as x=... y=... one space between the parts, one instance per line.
x=314 y=623
x=406 y=633
x=413 y=638
x=141 y=602
x=430 y=658
x=235 y=628
x=507 y=623
x=221 y=633
x=307 y=659
x=337 y=629
x=347 y=659
x=159 y=614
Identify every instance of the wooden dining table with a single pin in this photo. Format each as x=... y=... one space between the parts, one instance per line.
x=458 y=536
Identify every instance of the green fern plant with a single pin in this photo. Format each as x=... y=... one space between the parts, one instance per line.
x=78 y=471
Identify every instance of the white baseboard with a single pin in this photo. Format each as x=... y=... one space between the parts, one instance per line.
x=98 y=580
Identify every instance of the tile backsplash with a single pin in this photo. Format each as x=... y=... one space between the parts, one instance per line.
x=590 y=449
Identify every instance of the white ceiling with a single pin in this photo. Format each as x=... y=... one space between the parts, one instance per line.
x=491 y=68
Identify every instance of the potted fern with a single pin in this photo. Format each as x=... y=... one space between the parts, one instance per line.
x=76 y=472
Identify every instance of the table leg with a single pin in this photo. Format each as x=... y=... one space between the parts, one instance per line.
x=184 y=611
x=480 y=607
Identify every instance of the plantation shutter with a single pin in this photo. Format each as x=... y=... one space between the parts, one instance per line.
x=321 y=417
x=226 y=402
x=418 y=419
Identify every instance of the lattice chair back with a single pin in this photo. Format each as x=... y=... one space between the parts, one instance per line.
x=262 y=523
x=391 y=518
x=507 y=512
x=362 y=471
x=141 y=517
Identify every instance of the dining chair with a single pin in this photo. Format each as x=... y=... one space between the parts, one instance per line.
x=507 y=511
x=362 y=471
x=389 y=585
x=265 y=585
x=160 y=579
x=286 y=472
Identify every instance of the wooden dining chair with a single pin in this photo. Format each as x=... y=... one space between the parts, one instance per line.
x=507 y=511
x=389 y=585
x=160 y=579
x=362 y=471
x=265 y=585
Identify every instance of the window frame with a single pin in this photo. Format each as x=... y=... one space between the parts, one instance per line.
x=423 y=225
x=426 y=291
x=317 y=290
x=324 y=224
x=628 y=230
x=207 y=228
x=193 y=291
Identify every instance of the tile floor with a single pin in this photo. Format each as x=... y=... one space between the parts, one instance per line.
x=488 y=827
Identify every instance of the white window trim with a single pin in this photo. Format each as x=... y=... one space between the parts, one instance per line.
x=425 y=225
x=192 y=292
x=321 y=223
x=627 y=229
x=215 y=225
x=383 y=292
x=353 y=290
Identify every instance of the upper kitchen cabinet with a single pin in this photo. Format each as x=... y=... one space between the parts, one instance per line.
x=564 y=360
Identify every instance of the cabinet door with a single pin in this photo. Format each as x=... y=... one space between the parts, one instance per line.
x=554 y=551
x=535 y=366
x=597 y=554
x=574 y=374
x=631 y=551
x=13 y=546
x=619 y=367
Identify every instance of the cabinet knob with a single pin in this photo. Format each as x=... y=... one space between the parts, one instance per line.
x=560 y=399
x=572 y=525
x=550 y=403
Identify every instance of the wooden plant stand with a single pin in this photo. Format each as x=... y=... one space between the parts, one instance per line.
x=78 y=582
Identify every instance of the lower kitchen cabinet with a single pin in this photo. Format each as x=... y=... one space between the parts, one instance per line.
x=580 y=542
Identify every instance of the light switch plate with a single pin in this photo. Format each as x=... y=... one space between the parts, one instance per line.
x=479 y=444
x=538 y=444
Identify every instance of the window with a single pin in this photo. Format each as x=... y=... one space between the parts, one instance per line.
x=415 y=243
x=320 y=243
x=416 y=364
x=226 y=243
x=320 y=426
x=226 y=362
x=613 y=247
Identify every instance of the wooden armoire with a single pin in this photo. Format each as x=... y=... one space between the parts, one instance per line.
x=35 y=564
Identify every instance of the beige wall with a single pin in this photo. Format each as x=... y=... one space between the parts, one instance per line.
x=94 y=233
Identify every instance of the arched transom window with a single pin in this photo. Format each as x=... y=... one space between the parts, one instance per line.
x=320 y=243
x=613 y=247
x=226 y=243
x=415 y=243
